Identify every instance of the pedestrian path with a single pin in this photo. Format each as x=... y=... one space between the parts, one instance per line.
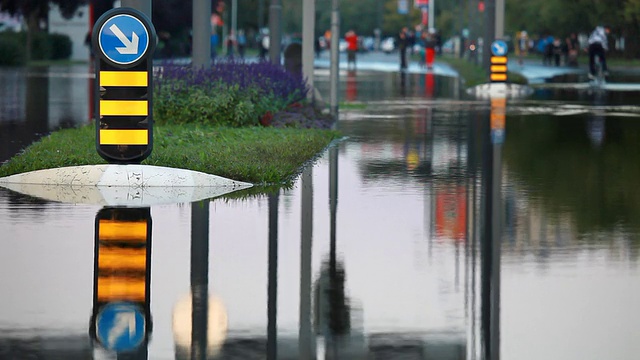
x=378 y=61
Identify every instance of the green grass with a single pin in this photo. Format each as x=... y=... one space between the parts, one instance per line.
x=346 y=105
x=258 y=155
x=473 y=74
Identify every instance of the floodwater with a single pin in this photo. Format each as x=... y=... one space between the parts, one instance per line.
x=428 y=233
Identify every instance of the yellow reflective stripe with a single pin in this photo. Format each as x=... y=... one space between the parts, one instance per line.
x=118 y=258
x=123 y=78
x=124 y=137
x=122 y=230
x=498 y=59
x=123 y=108
x=498 y=77
x=121 y=288
x=499 y=68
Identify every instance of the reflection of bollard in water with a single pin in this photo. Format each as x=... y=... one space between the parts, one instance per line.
x=121 y=317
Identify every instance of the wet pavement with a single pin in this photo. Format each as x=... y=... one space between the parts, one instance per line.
x=423 y=235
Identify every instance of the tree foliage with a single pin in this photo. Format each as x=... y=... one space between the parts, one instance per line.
x=40 y=8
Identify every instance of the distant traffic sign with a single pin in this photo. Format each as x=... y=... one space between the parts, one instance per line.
x=120 y=326
x=499 y=48
x=123 y=39
x=421 y=3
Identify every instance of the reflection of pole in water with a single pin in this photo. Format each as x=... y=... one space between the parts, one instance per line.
x=490 y=244
x=305 y=334
x=199 y=320
x=199 y=278
x=272 y=302
x=339 y=321
x=471 y=234
x=333 y=200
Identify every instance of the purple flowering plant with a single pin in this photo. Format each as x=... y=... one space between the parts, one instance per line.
x=229 y=93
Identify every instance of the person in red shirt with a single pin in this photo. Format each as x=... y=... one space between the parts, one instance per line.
x=352 y=47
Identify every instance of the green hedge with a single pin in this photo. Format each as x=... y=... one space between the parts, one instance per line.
x=44 y=46
x=12 y=50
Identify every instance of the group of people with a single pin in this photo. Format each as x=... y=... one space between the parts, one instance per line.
x=565 y=52
x=555 y=50
x=429 y=42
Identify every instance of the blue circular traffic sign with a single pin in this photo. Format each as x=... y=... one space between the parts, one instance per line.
x=123 y=39
x=499 y=48
x=120 y=326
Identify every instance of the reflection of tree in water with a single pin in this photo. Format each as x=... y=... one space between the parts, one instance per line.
x=16 y=198
x=557 y=163
x=333 y=314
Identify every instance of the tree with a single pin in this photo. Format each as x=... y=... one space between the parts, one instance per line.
x=35 y=11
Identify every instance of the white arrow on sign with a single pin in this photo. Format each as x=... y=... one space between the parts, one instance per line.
x=121 y=323
x=130 y=47
x=499 y=48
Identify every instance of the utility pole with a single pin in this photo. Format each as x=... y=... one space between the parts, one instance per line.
x=335 y=56
x=489 y=33
x=234 y=18
x=432 y=14
x=275 y=31
x=308 y=42
x=499 y=19
x=201 y=41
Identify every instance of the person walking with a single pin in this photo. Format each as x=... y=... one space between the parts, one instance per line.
x=522 y=46
x=231 y=43
x=573 y=46
x=263 y=43
x=242 y=43
x=352 y=47
x=430 y=44
x=403 y=42
x=598 y=46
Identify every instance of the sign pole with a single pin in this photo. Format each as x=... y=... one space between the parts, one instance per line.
x=143 y=5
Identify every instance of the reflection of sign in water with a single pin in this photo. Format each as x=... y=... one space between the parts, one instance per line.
x=120 y=326
x=498 y=118
x=121 y=299
x=451 y=213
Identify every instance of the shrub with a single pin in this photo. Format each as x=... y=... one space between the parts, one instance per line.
x=232 y=93
x=61 y=46
x=41 y=46
x=44 y=46
x=11 y=50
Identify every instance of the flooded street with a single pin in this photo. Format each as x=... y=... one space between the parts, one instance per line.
x=422 y=235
